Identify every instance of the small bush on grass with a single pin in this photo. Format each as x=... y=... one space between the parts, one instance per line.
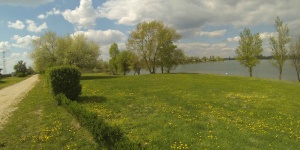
x=110 y=136
x=65 y=80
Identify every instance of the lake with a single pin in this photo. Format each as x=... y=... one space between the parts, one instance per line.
x=263 y=70
x=233 y=68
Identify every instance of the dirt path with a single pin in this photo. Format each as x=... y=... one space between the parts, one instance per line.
x=10 y=96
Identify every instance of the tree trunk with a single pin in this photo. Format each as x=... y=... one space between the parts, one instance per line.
x=298 y=75
x=250 y=71
x=280 y=72
x=162 y=68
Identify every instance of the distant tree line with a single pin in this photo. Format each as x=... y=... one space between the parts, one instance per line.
x=197 y=59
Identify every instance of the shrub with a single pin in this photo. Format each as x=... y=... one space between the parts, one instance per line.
x=65 y=80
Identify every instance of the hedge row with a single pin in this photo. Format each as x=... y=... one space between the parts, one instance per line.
x=109 y=136
x=65 y=80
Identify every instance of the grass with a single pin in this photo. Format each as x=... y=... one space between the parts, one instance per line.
x=194 y=111
x=8 y=81
x=165 y=111
x=39 y=123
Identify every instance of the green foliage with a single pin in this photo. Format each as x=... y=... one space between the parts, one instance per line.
x=278 y=45
x=114 y=53
x=20 y=69
x=149 y=39
x=51 y=50
x=123 y=61
x=295 y=55
x=249 y=49
x=65 y=80
x=110 y=136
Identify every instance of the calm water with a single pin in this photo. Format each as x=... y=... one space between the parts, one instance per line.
x=233 y=68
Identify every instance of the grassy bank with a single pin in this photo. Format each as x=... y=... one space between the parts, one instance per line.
x=191 y=111
x=8 y=81
x=39 y=123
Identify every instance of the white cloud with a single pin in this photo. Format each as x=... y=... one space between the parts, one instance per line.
x=217 y=33
x=83 y=16
x=34 y=28
x=17 y=25
x=54 y=11
x=190 y=16
x=24 y=3
x=267 y=35
x=4 y=46
x=234 y=39
x=103 y=37
x=23 y=42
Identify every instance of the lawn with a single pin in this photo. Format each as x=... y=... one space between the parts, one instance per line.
x=165 y=111
x=8 y=81
x=39 y=123
x=194 y=111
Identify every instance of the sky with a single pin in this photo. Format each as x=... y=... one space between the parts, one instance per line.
x=208 y=27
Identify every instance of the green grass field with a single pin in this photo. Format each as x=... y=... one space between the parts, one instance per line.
x=165 y=111
x=192 y=111
x=39 y=123
x=5 y=82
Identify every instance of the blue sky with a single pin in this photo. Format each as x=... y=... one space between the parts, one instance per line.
x=208 y=27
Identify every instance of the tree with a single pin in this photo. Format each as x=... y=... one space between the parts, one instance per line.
x=249 y=49
x=113 y=53
x=78 y=51
x=51 y=50
x=123 y=61
x=278 y=45
x=136 y=63
x=295 y=55
x=44 y=51
x=170 y=57
x=148 y=39
x=20 y=69
x=30 y=70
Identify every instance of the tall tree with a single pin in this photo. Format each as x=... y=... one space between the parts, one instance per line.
x=170 y=57
x=123 y=61
x=50 y=50
x=278 y=45
x=136 y=63
x=249 y=49
x=44 y=51
x=81 y=53
x=148 y=39
x=113 y=53
x=20 y=69
x=295 y=55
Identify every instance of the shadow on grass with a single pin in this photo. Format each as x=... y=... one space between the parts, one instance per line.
x=91 y=99
x=97 y=77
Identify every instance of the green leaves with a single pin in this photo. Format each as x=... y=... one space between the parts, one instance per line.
x=250 y=47
x=65 y=80
x=149 y=39
x=278 y=42
x=51 y=50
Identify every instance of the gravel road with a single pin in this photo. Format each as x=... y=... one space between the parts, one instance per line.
x=10 y=96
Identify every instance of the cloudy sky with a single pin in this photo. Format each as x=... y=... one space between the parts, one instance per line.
x=208 y=27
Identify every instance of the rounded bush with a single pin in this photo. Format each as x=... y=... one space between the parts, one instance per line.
x=65 y=80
